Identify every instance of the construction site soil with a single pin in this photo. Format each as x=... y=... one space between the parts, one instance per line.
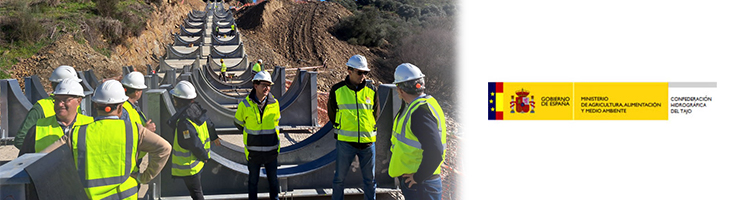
x=280 y=32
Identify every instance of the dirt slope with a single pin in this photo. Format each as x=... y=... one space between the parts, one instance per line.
x=142 y=50
x=290 y=34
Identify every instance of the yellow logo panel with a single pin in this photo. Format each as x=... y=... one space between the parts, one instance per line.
x=538 y=101
x=578 y=101
x=622 y=101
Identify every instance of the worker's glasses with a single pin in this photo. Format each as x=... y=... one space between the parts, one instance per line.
x=361 y=72
x=358 y=71
x=265 y=85
x=66 y=100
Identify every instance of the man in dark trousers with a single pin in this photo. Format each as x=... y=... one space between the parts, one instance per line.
x=193 y=133
x=258 y=117
x=353 y=110
x=418 y=138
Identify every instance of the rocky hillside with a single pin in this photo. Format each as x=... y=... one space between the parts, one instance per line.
x=291 y=34
x=141 y=50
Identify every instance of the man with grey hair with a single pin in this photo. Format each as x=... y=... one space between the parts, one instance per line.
x=44 y=108
x=418 y=138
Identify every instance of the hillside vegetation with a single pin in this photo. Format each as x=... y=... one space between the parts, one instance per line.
x=421 y=32
x=28 y=26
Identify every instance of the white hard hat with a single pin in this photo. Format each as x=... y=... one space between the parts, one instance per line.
x=260 y=61
x=109 y=92
x=63 y=72
x=134 y=80
x=184 y=90
x=69 y=87
x=263 y=76
x=406 y=72
x=358 y=62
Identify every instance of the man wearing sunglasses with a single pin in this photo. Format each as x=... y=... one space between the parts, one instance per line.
x=353 y=110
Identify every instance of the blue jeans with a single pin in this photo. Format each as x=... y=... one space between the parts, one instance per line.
x=431 y=189
x=271 y=175
x=344 y=158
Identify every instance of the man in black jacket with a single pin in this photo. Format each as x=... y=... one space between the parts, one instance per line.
x=193 y=130
x=419 y=137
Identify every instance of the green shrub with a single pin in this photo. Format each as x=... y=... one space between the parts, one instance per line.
x=107 y=8
x=22 y=25
x=133 y=24
x=110 y=29
x=408 y=11
x=348 y=4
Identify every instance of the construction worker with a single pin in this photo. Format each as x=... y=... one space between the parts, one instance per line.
x=44 y=108
x=258 y=117
x=68 y=96
x=223 y=71
x=192 y=136
x=258 y=66
x=233 y=30
x=353 y=110
x=418 y=137
x=134 y=84
x=105 y=150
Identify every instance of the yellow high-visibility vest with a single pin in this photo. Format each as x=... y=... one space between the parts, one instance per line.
x=355 y=115
x=48 y=130
x=184 y=163
x=406 y=151
x=104 y=153
x=259 y=129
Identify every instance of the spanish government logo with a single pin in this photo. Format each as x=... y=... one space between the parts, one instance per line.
x=522 y=103
x=496 y=102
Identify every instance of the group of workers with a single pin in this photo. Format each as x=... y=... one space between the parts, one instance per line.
x=232 y=30
x=107 y=148
x=257 y=67
x=418 y=136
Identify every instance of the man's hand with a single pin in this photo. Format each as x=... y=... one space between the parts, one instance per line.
x=151 y=126
x=137 y=177
x=409 y=180
x=217 y=142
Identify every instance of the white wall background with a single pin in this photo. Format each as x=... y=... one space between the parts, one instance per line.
x=703 y=156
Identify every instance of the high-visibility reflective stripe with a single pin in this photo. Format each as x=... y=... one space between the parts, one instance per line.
x=413 y=143
x=434 y=113
x=124 y=194
x=82 y=159
x=237 y=121
x=82 y=152
x=355 y=106
x=195 y=163
x=247 y=104
x=355 y=133
x=181 y=154
x=401 y=137
x=187 y=154
x=104 y=181
x=263 y=148
x=260 y=132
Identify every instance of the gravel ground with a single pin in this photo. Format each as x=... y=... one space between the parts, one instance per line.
x=8 y=152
